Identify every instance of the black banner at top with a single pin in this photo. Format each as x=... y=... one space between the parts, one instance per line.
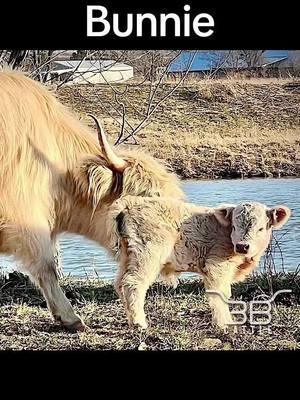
x=102 y=24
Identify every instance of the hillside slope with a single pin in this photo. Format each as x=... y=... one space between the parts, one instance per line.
x=209 y=129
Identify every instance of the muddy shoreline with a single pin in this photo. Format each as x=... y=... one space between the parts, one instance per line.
x=232 y=174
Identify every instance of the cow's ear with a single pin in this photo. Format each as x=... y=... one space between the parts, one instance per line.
x=224 y=214
x=278 y=216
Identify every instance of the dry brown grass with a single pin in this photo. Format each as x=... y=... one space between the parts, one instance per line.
x=238 y=152
x=209 y=129
x=179 y=319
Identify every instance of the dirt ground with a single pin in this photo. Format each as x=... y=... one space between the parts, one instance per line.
x=179 y=319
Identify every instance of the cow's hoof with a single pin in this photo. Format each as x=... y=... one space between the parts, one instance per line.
x=77 y=326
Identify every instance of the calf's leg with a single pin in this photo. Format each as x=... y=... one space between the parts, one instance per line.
x=136 y=274
x=218 y=279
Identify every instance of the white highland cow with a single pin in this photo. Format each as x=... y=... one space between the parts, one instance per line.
x=155 y=237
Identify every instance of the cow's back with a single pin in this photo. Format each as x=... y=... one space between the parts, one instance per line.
x=32 y=116
x=39 y=140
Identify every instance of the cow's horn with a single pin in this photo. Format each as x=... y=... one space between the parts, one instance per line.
x=115 y=162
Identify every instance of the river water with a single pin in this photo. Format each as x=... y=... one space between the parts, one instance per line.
x=81 y=257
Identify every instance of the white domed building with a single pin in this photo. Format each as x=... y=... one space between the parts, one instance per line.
x=90 y=71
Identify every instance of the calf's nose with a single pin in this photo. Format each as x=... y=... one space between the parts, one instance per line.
x=242 y=248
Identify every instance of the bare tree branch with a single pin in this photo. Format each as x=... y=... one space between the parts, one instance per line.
x=152 y=110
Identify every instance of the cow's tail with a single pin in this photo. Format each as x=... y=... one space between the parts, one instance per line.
x=119 y=229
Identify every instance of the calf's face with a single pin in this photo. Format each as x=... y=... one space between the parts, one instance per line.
x=252 y=225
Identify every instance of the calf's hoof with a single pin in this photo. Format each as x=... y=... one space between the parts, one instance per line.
x=139 y=326
x=223 y=324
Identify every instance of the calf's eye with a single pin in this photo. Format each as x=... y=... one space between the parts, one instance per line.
x=261 y=229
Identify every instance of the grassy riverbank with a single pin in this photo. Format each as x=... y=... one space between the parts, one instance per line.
x=209 y=129
x=179 y=319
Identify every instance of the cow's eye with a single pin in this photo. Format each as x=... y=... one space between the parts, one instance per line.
x=233 y=227
x=261 y=229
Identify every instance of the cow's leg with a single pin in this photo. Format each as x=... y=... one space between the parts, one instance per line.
x=36 y=251
x=44 y=274
x=134 y=280
x=218 y=278
x=57 y=258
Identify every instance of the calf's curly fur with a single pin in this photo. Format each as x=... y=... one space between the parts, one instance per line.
x=154 y=238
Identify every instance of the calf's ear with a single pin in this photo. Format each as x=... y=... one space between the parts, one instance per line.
x=224 y=214
x=278 y=216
